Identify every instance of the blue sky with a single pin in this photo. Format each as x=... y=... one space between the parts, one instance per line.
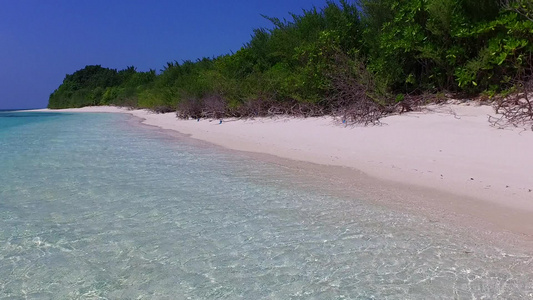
x=42 y=41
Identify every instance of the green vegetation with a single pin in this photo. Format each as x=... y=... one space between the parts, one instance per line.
x=358 y=61
x=95 y=85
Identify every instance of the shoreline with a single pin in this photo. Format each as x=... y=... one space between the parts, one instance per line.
x=447 y=162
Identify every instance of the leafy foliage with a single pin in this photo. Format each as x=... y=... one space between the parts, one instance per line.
x=330 y=60
x=95 y=85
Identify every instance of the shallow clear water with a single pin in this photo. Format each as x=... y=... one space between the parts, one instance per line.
x=92 y=207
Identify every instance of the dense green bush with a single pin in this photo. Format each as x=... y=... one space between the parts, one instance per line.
x=372 y=51
x=95 y=85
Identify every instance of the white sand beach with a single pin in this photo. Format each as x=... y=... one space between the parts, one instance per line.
x=449 y=148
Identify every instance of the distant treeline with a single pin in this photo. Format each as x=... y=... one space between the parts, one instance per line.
x=359 y=60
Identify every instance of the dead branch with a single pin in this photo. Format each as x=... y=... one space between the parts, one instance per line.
x=516 y=109
x=189 y=107
x=352 y=97
x=213 y=107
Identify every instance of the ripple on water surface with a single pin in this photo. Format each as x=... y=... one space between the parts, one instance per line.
x=92 y=208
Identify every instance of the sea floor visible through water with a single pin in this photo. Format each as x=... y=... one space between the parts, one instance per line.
x=95 y=206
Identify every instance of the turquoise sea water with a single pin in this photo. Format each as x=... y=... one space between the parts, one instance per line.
x=95 y=207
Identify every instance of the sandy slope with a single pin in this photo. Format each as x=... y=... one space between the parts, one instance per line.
x=449 y=148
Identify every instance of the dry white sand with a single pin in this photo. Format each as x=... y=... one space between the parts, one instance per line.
x=449 y=148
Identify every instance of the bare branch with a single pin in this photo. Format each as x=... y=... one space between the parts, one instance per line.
x=522 y=7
